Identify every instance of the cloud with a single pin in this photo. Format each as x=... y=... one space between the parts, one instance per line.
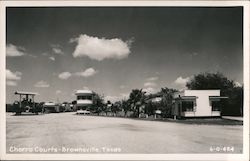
x=13 y=75
x=100 y=48
x=85 y=87
x=52 y=58
x=150 y=84
x=12 y=50
x=11 y=83
x=41 y=84
x=112 y=98
x=58 y=92
x=195 y=54
x=124 y=95
x=87 y=73
x=64 y=75
x=32 y=56
x=45 y=54
x=56 y=49
x=181 y=81
x=149 y=90
x=122 y=86
x=152 y=78
x=120 y=97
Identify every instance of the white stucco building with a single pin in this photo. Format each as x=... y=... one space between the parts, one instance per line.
x=84 y=99
x=197 y=103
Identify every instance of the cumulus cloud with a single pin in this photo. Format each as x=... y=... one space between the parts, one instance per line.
x=150 y=84
x=41 y=84
x=52 y=58
x=13 y=75
x=85 y=87
x=112 y=98
x=86 y=73
x=149 y=90
x=122 y=86
x=45 y=54
x=152 y=78
x=56 y=49
x=58 y=92
x=64 y=75
x=181 y=81
x=119 y=97
x=124 y=95
x=100 y=48
x=13 y=50
x=11 y=83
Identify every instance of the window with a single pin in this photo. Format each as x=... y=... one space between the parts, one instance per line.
x=187 y=106
x=89 y=97
x=84 y=97
x=216 y=106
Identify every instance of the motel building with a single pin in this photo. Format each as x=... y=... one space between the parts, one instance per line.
x=84 y=100
x=197 y=103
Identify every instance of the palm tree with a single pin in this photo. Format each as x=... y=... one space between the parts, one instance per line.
x=125 y=105
x=136 y=99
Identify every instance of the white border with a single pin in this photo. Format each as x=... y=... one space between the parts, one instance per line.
x=234 y=157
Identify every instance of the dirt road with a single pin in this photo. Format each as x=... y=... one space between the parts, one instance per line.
x=70 y=133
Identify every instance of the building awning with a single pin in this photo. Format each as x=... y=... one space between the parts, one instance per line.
x=217 y=97
x=187 y=97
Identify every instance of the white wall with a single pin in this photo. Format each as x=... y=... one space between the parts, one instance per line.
x=203 y=107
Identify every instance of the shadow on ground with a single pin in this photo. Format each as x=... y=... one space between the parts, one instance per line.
x=199 y=121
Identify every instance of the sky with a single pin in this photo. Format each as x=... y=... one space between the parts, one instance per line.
x=55 y=51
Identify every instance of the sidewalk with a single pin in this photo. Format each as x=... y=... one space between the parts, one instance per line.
x=238 y=118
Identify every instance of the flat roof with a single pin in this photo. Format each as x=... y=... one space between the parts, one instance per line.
x=84 y=91
x=25 y=93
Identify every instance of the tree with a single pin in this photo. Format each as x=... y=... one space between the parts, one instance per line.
x=74 y=102
x=164 y=105
x=210 y=81
x=231 y=106
x=167 y=100
x=136 y=100
x=74 y=105
x=125 y=105
x=98 y=103
x=150 y=108
x=116 y=107
x=108 y=106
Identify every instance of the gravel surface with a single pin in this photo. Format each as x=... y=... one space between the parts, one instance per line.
x=70 y=133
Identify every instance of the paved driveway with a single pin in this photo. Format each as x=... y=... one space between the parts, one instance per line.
x=67 y=132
